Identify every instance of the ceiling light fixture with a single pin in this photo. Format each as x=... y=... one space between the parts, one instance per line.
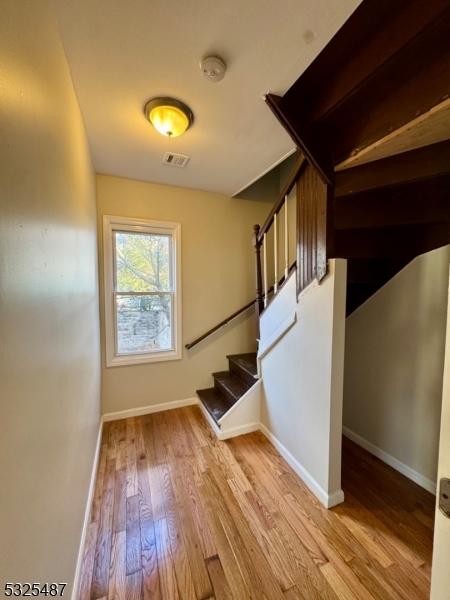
x=169 y=116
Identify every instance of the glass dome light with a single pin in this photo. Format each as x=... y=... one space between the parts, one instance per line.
x=169 y=116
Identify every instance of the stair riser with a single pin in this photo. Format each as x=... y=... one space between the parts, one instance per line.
x=216 y=404
x=241 y=373
x=225 y=391
x=215 y=414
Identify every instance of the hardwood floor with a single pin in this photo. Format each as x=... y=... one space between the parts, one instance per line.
x=179 y=514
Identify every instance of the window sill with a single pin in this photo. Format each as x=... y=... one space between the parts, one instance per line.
x=140 y=359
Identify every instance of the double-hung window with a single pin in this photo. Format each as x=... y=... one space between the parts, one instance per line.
x=142 y=291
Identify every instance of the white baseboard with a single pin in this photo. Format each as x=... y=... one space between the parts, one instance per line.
x=87 y=514
x=230 y=432
x=335 y=498
x=147 y=410
x=225 y=434
x=328 y=500
x=390 y=460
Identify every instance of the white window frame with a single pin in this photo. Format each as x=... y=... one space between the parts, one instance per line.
x=111 y=224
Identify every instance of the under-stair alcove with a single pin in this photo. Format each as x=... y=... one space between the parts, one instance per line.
x=393 y=388
x=394 y=357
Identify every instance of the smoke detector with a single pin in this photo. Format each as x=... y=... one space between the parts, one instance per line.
x=213 y=68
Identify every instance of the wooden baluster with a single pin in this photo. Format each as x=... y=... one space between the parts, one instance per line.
x=286 y=239
x=275 y=252
x=265 y=270
x=258 y=302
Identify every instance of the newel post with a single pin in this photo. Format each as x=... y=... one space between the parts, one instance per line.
x=259 y=299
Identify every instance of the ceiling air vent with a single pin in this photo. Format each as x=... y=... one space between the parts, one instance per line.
x=175 y=160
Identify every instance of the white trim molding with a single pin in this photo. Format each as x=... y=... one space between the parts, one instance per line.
x=390 y=460
x=247 y=420
x=123 y=224
x=328 y=500
x=87 y=514
x=227 y=433
x=268 y=343
x=149 y=409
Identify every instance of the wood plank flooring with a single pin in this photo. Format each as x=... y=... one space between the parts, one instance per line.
x=179 y=514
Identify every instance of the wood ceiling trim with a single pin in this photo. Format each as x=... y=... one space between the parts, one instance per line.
x=414 y=165
x=390 y=242
x=428 y=128
x=410 y=84
x=312 y=151
x=419 y=202
x=388 y=66
x=374 y=34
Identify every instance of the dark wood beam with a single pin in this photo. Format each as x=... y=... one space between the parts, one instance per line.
x=422 y=202
x=292 y=123
x=387 y=65
x=374 y=271
x=390 y=242
x=413 y=81
x=422 y=163
x=373 y=34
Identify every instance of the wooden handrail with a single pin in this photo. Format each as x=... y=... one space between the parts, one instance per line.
x=299 y=165
x=236 y=313
x=219 y=325
x=258 y=235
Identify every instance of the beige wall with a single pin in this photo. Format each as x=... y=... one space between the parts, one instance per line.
x=217 y=278
x=49 y=349
x=394 y=363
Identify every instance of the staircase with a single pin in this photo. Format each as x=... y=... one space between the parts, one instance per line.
x=380 y=225
x=378 y=213
x=229 y=386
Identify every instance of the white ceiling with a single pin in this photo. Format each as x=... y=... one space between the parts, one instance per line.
x=121 y=53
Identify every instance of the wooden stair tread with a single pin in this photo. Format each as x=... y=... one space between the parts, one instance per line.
x=231 y=385
x=247 y=362
x=216 y=403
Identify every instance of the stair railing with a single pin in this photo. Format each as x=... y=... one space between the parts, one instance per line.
x=235 y=314
x=261 y=244
x=263 y=289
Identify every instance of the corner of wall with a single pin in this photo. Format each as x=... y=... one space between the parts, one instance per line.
x=303 y=384
x=337 y=376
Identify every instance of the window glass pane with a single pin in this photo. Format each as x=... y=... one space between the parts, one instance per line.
x=144 y=323
x=142 y=262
